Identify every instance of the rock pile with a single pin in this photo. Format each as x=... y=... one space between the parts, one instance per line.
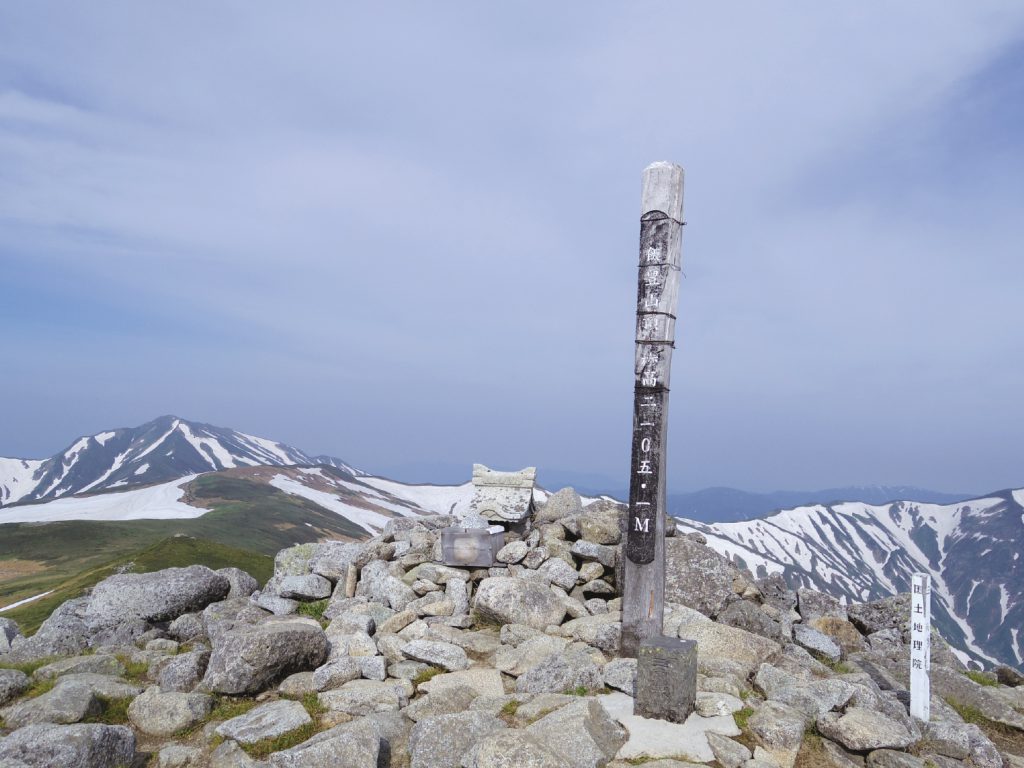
x=377 y=654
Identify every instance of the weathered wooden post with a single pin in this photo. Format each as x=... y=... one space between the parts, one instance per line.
x=661 y=221
x=920 y=645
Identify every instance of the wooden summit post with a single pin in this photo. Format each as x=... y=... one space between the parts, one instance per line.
x=661 y=223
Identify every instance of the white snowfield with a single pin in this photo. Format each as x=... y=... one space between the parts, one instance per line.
x=158 y=502
x=436 y=499
x=16 y=478
x=370 y=521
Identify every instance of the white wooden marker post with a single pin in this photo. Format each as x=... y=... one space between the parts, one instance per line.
x=661 y=223
x=920 y=645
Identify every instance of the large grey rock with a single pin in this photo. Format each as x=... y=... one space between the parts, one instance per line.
x=377 y=583
x=860 y=729
x=365 y=697
x=486 y=682
x=307 y=587
x=779 y=729
x=582 y=733
x=449 y=657
x=164 y=714
x=70 y=701
x=331 y=559
x=158 y=596
x=698 y=577
x=441 y=741
x=816 y=642
x=515 y=601
x=747 y=616
x=13 y=683
x=295 y=560
x=69 y=746
x=341 y=748
x=812 y=604
x=241 y=583
x=601 y=523
x=718 y=643
x=267 y=721
x=887 y=613
x=99 y=664
x=64 y=633
x=8 y=631
x=955 y=687
x=250 y=659
x=562 y=672
x=184 y=672
x=507 y=749
x=564 y=503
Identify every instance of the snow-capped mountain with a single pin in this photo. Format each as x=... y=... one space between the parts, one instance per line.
x=972 y=549
x=164 y=449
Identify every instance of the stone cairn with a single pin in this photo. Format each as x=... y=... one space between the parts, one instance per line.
x=370 y=654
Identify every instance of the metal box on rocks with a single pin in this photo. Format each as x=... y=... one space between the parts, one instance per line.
x=471 y=547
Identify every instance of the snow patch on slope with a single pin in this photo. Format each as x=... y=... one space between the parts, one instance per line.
x=372 y=522
x=438 y=499
x=19 y=478
x=158 y=502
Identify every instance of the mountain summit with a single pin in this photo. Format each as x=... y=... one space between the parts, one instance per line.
x=160 y=450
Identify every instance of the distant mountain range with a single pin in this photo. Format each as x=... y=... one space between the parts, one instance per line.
x=164 y=449
x=857 y=551
x=725 y=505
x=125 y=488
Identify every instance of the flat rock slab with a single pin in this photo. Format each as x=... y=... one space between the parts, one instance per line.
x=267 y=721
x=87 y=745
x=486 y=682
x=661 y=739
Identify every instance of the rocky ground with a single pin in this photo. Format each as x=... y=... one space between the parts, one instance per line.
x=374 y=654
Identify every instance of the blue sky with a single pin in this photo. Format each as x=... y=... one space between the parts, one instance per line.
x=407 y=237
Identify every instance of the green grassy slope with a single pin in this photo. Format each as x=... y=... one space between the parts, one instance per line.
x=247 y=519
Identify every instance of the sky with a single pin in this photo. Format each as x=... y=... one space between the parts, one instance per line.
x=406 y=235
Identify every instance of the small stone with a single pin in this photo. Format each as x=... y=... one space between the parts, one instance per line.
x=336 y=673
x=561 y=672
x=513 y=552
x=179 y=756
x=297 y=685
x=717 y=704
x=731 y=754
x=587 y=550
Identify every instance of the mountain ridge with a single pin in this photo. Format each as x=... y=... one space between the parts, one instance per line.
x=163 y=449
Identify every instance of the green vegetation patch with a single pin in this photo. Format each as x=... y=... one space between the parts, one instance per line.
x=267 y=747
x=227 y=707
x=742 y=716
x=112 y=711
x=427 y=674
x=315 y=609
x=980 y=677
x=28 y=667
